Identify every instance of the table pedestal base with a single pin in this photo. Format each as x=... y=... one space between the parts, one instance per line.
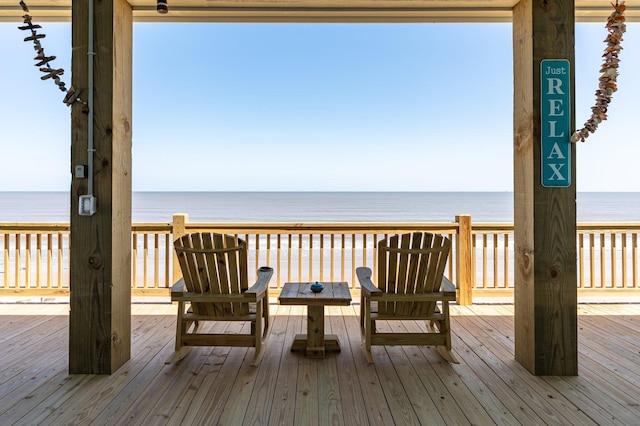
x=300 y=344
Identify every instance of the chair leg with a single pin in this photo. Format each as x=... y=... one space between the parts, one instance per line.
x=447 y=354
x=444 y=350
x=265 y=310
x=260 y=331
x=259 y=352
x=257 y=355
x=366 y=325
x=178 y=354
x=181 y=328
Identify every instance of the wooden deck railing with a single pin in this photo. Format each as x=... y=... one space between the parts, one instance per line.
x=35 y=257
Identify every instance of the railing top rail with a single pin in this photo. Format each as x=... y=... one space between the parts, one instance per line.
x=325 y=227
x=151 y=227
x=30 y=227
x=491 y=227
x=609 y=227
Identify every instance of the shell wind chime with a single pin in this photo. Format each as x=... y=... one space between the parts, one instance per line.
x=43 y=63
x=608 y=72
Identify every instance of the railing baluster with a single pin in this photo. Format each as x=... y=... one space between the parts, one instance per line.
x=353 y=256
x=451 y=258
x=167 y=261
x=289 y=257
x=27 y=261
x=278 y=260
x=321 y=257
x=603 y=281
x=364 y=249
x=342 y=256
x=581 y=260
x=145 y=260
x=634 y=257
x=613 y=254
x=623 y=237
x=333 y=257
x=38 y=260
x=376 y=238
x=134 y=266
x=60 y=260
x=6 y=263
x=474 y=261
x=506 y=260
x=495 y=260
x=267 y=261
x=484 y=261
x=310 y=257
x=17 y=260
x=592 y=260
x=49 y=260
x=299 y=257
x=156 y=259
x=256 y=248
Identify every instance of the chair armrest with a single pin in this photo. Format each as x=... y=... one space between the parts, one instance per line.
x=447 y=286
x=366 y=285
x=259 y=289
x=177 y=289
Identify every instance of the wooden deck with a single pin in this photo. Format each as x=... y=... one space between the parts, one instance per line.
x=406 y=386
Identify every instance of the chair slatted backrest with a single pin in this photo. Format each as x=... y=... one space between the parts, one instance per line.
x=411 y=264
x=214 y=264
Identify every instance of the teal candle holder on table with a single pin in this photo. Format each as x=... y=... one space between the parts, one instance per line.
x=317 y=287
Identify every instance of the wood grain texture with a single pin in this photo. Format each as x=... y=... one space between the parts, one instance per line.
x=215 y=288
x=317 y=11
x=100 y=256
x=544 y=218
x=409 y=384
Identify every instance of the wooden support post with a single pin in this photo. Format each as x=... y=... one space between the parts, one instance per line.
x=544 y=217
x=178 y=229
x=463 y=279
x=100 y=252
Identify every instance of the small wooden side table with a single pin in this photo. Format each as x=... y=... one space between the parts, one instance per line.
x=315 y=343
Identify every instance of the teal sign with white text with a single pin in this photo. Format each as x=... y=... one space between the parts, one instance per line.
x=555 y=115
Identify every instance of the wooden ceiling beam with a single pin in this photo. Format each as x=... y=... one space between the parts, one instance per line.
x=489 y=12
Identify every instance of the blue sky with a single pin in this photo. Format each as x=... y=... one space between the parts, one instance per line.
x=315 y=107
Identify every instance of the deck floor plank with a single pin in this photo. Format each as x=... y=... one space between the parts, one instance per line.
x=351 y=394
x=386 y=358
x=260 y=403
x=242 y=386
x=443 y=385
x=535 y=392
x=605 y=382
x=168 y=383
x=16 y=370
x=411 y=366
x=283 y=408
x=95 y=397
x=406 y=385
x=497 y=370
x=218 y=368
x=148 y=365
x=377 y=413
x=212 y=393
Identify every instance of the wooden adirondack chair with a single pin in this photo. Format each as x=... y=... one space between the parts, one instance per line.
x=214 y=288
x=410 y=286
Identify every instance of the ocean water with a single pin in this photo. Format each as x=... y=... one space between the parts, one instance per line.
x=318 y=206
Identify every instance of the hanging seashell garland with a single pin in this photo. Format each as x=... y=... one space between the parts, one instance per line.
x=43 y=60
x=609 y=72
